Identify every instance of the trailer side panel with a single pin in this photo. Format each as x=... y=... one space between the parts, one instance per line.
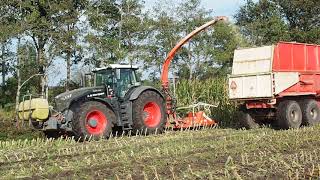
x=296 y=57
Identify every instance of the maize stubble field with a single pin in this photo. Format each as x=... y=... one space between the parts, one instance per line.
x=209 y=153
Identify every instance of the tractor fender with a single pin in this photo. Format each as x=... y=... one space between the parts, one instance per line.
x=98 y=99
x=135 y=93
x=104 y=101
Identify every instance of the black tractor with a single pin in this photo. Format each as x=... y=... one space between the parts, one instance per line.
x=117 y=100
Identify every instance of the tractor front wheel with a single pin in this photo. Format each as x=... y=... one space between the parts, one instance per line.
x=149 y=113
x=92 y=120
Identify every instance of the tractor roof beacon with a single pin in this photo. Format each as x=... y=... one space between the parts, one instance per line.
x=117 y=100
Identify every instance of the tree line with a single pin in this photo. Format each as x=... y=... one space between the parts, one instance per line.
x=34 y=34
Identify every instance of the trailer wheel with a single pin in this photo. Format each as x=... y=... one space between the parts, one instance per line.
x=247 y=121
x=148 y=112
x=92 y=120
x=289 y=115
x=310 y=112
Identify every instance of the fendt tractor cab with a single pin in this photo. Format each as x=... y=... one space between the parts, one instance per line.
x=117 y=99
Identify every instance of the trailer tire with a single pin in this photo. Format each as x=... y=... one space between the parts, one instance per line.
x=247 y=121
x=148 y=112
x=310 y=112
x=289 y=114
x=92 y=121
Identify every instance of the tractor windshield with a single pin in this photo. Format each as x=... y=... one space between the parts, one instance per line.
x=125 y=81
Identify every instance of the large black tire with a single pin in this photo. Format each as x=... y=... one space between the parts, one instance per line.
x=149 y=114
x=92 y=120
x=52 y=134
x=310 y=112
x=289 y=114
x=247 y=120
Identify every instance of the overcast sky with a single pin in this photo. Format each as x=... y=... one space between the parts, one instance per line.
x=219 y=7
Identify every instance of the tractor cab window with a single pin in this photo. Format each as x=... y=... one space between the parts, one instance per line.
x=104 y=77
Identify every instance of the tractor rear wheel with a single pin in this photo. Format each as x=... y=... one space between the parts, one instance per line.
x=149 y=114
x=310 y=112
x=92 y=120
x=289 y=114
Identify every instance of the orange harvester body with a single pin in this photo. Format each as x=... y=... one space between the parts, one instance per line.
x=193 y=119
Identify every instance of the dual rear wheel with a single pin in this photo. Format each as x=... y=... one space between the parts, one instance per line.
x=293 y=114
x=289 y=114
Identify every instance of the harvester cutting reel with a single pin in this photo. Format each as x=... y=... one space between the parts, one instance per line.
x=197 y=117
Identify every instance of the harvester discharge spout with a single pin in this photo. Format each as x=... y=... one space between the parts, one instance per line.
x=199 y=117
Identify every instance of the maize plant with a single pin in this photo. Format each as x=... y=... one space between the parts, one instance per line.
x=211 y=91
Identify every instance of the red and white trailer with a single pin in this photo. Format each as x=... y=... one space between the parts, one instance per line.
x=277 y=83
